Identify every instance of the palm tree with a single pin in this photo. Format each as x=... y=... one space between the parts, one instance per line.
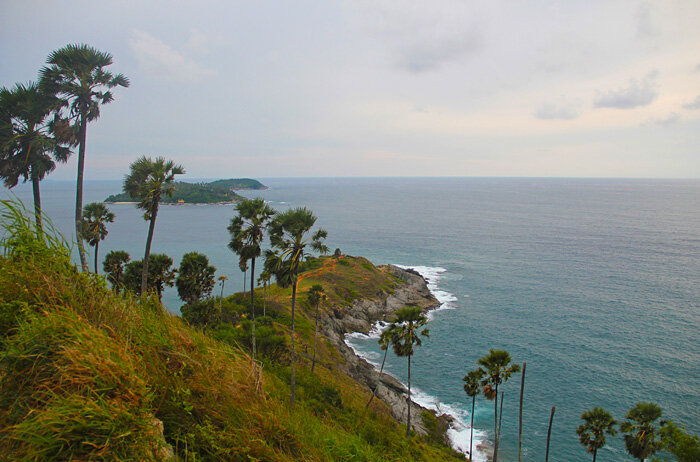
x=289 y=235
x=497 y=369
x=76 y=74
x=113 y=267
x=222 y=279
x=315 y=297
x=406 y=327
x=640 y=434
x=95 y=217
x=247 y=230
x=264 y=279
x=591 y=433
x=28 y=146
x=384 y=342
x=147 y=181
x=471 y=388
x=195 y=277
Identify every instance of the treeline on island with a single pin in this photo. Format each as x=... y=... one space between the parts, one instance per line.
x=90 y=371
x=201 y=193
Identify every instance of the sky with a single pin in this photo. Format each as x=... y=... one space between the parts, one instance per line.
x=339 y=88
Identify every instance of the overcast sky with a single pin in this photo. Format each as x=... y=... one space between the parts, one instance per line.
x=382 y=88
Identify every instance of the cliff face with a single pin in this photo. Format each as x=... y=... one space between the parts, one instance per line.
x=411 y=290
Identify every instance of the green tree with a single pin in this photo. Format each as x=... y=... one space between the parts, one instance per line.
x=160 y=274
x=195 y=278
x=384 y=342
x=315 y=297
x=290 y=237
x=591 y=433
x=407 y=327
x=684 y=446
x=247 y=231
x=264 y=279
x=95 y=218
x=147 y=182
x=641 y=436
x=472 y=388
x=113 y=266
x=76 y=73
x=29 y=148
x=496 y=368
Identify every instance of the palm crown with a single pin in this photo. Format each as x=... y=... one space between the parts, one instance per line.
x=95 y=216
x=149 y=180
x=248 y=227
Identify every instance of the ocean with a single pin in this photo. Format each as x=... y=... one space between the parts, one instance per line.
x=595 y=283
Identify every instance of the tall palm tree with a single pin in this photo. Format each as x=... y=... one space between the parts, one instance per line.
x=315 y=297
x=247 y=231
x=290 y=237
x=95 y=217
x=28 y=146
x=591 y=433
x=497 y=369
x=113 y=266
x=147 y=182
x=407 y=325
x=76 y=73
x=472 y=388
x=384 y=342
x=264 y=279
x=640 y=433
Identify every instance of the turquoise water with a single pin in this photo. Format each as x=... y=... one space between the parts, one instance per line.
x=594 y=283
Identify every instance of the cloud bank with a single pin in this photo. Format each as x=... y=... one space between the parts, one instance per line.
x=636 y=94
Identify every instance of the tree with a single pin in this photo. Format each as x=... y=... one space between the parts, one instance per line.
x=247 y=231
x=384 y=342
x=591 y=433
x=315 y=297
x=76 y=74
x=289 y=235
x=29 y=148
x=684 y=446
x=113 y=267
x=640 y=434
x=147 y=182
x=195 y=277
x=160 y=274
x=95 y=217
x=496 y=369
x=408 y=323
x=264 y=279
x=471 y=388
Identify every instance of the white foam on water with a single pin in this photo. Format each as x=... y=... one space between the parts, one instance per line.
x=459 y=432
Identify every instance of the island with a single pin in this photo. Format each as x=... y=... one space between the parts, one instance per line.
x=214 y=192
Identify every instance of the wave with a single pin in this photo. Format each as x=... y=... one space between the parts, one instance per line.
x=459 y=431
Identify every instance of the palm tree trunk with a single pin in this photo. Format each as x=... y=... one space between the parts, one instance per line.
x=265 y=298
x=245 y=272
x=97 y=247
x=374 y=390
x=313 y=360
x=252 y=299
x=293 y=380
x=594 y=453
x=549 y=434
x=495 y=426
x=408 y=402
x=151 y=228
x=79 y=189
x=37 y=203
x=500 y=415
x=471 y=430
x=520 y=417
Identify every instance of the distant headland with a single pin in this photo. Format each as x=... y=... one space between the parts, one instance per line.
x=219 y=191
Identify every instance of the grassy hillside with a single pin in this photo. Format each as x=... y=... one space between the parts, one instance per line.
x=89 y=375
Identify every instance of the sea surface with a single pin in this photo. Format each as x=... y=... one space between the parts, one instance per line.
x=595 y=283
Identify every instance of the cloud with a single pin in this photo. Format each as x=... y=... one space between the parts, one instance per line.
x=667 y=121
x=427 y=55
x=645 y=29
x=550 y=111
x=163 y=61
x=695 y=104
x=635 y=95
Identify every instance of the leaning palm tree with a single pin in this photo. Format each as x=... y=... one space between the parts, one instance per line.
x=315 y=297
x=471 y=388
x=640 y=433
x=384 y=342
x=95 y=217
x=147 y=182
x=407 y=325
x=29 y=147
x=497 y=369
x=76 y=73
x=247 y=231
x=289 y=236
x=591 y=433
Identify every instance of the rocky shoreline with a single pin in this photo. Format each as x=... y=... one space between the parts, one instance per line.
x=359 y=317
